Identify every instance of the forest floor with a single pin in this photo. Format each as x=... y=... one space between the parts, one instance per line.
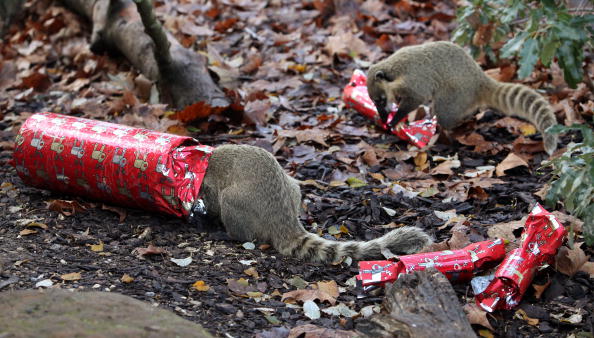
x=286 y=62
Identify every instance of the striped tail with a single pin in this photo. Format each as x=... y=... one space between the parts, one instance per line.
x=313 y=248
x=518 y=100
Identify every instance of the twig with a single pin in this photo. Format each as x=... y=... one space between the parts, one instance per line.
x=587 y=79
x=153 y=28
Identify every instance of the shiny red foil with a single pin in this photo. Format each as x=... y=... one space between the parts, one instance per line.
x=113 y=163
x=355 y=95
x=543 y=235
x=456 y=265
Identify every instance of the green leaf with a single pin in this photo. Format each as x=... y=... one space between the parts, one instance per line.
x=549 y=3
x=548 y=51
x=528 y=57
x=513 y=45
x=354 y=182
x=570 y=61
x=566 y=32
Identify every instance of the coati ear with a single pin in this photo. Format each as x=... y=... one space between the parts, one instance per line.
x=380 y=75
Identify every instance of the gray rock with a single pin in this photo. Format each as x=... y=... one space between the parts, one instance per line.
x=62 y=313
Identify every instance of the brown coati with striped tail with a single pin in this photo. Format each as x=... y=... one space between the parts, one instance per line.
x=445 y=74
x=246 y=189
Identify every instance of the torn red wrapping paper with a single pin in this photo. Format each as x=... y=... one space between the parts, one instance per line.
x=543 y=235
x=456 y=265
x=355 y=95
x=113 y=163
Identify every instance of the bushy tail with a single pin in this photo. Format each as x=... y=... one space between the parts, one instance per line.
x=313 y=248
x=519 y=100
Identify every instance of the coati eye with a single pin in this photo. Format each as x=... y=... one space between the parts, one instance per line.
x=380 y=75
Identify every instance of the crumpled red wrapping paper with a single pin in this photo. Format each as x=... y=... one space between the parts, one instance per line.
x=113 y=163
x=355 y=95
x=456 y=265
x=543 y=235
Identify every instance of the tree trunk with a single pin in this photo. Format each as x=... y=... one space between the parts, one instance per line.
x=9 y=10
x=180 y=73
x=422 y=304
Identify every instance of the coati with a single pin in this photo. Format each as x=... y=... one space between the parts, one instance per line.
x=246 y=189
x=445 y=74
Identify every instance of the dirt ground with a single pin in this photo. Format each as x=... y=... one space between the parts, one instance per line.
x=245 y=285
x=64 y=247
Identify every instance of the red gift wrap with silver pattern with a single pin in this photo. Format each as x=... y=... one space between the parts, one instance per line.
x=117 y=164
x=456 y=265
x=355 y=95
x=543 y=235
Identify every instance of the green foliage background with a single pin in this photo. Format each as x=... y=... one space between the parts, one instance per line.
x=573 y=179
x=541 y=30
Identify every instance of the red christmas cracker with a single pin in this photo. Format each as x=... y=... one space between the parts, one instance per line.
x=456 y=265
x=543 y=235
x=113 y=163
x=355 y=95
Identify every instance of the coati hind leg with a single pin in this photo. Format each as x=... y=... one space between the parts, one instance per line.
x=452 y=110
x=236 y=214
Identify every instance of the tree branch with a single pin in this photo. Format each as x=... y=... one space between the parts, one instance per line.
x=153 y=28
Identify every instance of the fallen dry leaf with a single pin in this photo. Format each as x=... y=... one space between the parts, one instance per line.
x=526 y=146
x=240 y=286
x=38 y=81
x=120 y=211
x=502 y=74
x=480 y=144
x=37 y=225
x=65 y=207
x=458 y=240
x=445 y=168
x=304 y=295
x=150 y=250
x=26 y=232
x=575 y=223
x=421 y=161
x=258 y=112
x=511 y=161
x=588 y=268
x=506 y=230
x=542 y=192
x=71 y=276
x=478 y=193
x=313 y=331
x=476 y=315
x=316 y=135
x=96 y=247
x=516 y=126
x=521 y=314
x=201 y=286
x=311 y=310
x=252 y=272
x=569 y=261
x=485 y=333
x=126 y=278
x=370 y=157
x=539 y=289
x=329 y=287
x=345 y=43
x=196 y=111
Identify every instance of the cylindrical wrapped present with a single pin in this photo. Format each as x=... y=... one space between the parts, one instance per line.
x=457 y=265
x=355 y=95
x=113 y=163
x=543 y=235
